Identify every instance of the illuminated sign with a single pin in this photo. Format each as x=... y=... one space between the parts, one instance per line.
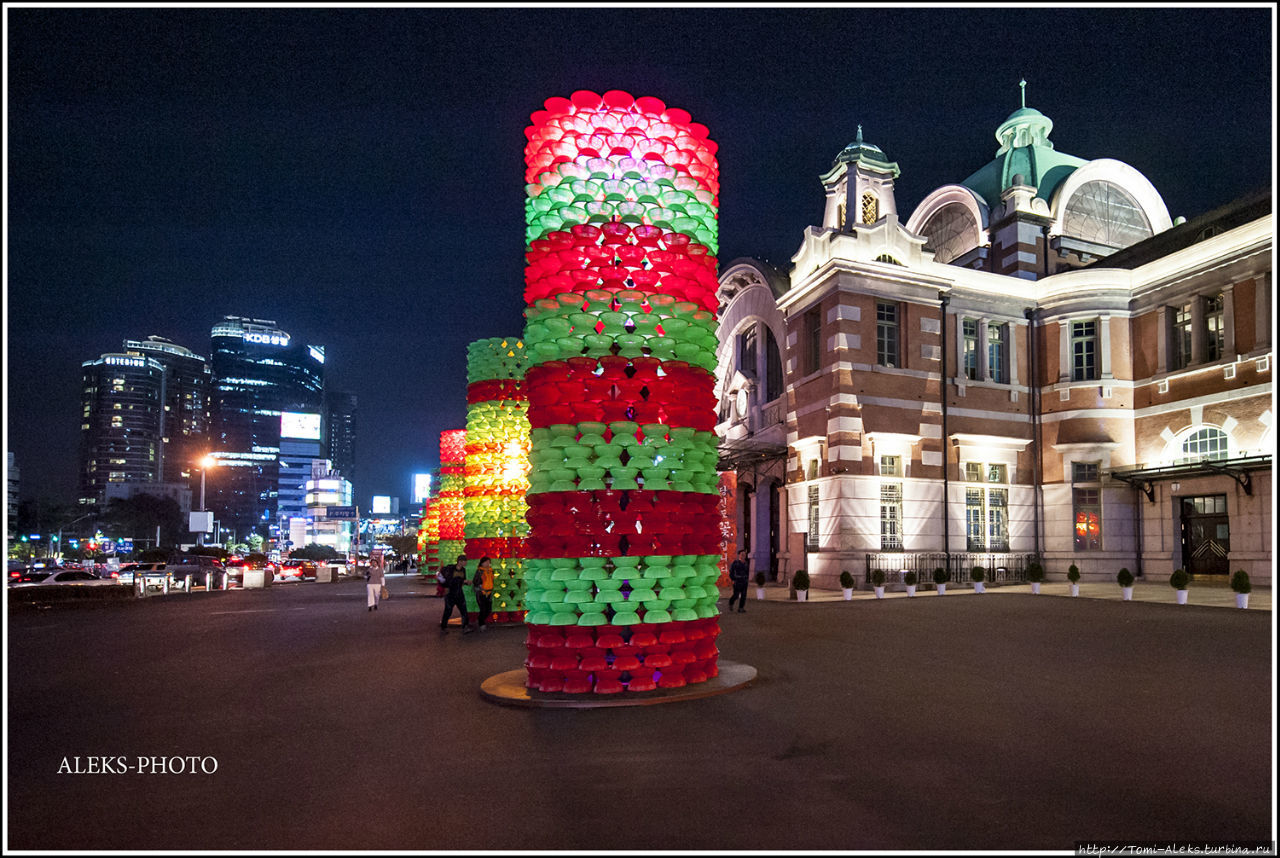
x=381 y=504
x=278 y=339
x=317 y=352
x=421 y=487
x=298 y=425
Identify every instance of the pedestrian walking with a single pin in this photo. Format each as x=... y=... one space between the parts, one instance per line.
x=482 y=584
x=738 y=576
x=456 y=579
x=374 y=577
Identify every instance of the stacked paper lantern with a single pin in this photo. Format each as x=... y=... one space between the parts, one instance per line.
x=453 y=452
x=497 y=469
x=429 y=535
x=424 y=536
x=620 y=293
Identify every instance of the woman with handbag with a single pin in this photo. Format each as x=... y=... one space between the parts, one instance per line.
x=373 y=581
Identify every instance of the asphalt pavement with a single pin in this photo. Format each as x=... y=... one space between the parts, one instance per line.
x=1006 y=722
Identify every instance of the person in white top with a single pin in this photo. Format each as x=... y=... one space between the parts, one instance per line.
x=373 y=581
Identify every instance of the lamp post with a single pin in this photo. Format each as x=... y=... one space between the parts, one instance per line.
x=205 y=464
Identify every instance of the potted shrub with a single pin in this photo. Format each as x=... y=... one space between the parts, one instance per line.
x=1073 y=575
x=877 y=581
x=978 y=576
x=909 y=578
x=801 y=584
x=760 y=584
x=1125 y=579
x=1180 y=581
x=940 y=578
x=1035 y=574
x=846 y=584
x=1240 y=584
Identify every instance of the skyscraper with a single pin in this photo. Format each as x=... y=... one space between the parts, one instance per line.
x=260 y=375
x=340 y=423
x=184 y=417
x=121 y=397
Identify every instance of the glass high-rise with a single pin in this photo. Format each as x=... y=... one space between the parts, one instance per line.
x=184 y=416
x=121 y=402
x=260 y=376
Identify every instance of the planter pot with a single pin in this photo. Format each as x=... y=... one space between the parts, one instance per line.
x=1075 y=589
x=1128 y=593
x=1182 y=596
x=911 y=590
x=979 y=587
x=879 y=592
x=802 y=595
x=760 y=593
x=1035 y=588
x=848 y=593
x=1242 y=600
x=942 y=588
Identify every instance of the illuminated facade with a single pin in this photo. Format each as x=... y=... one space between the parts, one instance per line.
x=120 y=428
x=259 y=375
x=621 y=334
x=340 y=431
x=1040 y=362
x=325 y=488
x=184 y=429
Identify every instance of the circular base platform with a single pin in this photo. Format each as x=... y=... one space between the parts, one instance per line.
x=508 y=689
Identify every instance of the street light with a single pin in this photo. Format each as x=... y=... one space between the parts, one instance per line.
x=205 y=464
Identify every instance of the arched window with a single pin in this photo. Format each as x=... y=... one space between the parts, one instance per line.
x=1104 y=213
x=870 y=208
x=1207 y=443
x=773 y=367
x=840 y=215
x=950 y=232
x=884 y=257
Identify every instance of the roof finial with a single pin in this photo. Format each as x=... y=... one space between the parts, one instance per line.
x=859 y=134
x=1023 y=84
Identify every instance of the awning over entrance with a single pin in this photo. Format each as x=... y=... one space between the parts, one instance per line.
x=1238 y=469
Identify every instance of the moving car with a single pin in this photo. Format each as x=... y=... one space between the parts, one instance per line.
x=153 y=573
x=296 y=570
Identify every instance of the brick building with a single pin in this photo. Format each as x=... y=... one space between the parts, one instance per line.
x=1038 y=363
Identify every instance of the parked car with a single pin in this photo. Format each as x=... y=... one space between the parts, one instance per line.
x=68 y=577
x=235 y=570
x=198 y=566
x=296 y=570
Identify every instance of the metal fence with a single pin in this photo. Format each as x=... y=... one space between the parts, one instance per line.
x=1001 y=567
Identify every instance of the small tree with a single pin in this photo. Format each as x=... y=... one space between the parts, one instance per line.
x=759 y=577
x=1124 y=578
x=314 y=551
x=941 y=576
x=909 y=578
x=977 y=574
x=877 y=578
x=1073 y=573
x=1179 y=580
x=846 y=580
x=1035 y=572
x=1240 y=581
x=801 y=580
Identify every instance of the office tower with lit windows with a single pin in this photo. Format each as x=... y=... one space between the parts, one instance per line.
x=122 y=400
x=184 y=415
x=263 y=381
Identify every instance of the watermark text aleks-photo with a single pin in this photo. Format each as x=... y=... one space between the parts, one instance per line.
x=140 y=765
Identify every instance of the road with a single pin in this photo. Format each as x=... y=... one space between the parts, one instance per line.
x=1017 y=722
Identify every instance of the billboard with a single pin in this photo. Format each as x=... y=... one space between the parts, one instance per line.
x=421 y=487
x=381 y=505
x=294 y=424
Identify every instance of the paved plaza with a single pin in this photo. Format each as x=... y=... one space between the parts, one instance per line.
x=1003 y=721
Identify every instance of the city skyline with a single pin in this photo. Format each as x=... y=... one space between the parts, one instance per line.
x=356 y=175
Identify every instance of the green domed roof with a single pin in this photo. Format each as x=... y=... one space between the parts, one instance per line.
x=866 y=154
x=1025 y=151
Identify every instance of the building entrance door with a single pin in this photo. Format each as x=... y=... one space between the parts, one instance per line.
x=1206 y=534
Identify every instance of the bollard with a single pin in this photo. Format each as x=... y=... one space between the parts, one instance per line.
x=139 y=585
x=208 y=582
x=187 y=584
x=164 y=585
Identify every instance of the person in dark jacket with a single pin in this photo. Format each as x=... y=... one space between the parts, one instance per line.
x=738 y=576
x=456 y=580
x=482 y=585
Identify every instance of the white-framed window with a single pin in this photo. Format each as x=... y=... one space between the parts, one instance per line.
x=1084 y=350
x=891 y=517
x=1086 y=505
x=1215 y=333
x=1209 y=443
x=969 y=331
x=811 y=538
x=890 y=466
x=887 y=334
x=998 y=353
x=1180 y=341
x=986 y=513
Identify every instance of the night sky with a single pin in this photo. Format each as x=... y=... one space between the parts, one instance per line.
x=357 y=174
